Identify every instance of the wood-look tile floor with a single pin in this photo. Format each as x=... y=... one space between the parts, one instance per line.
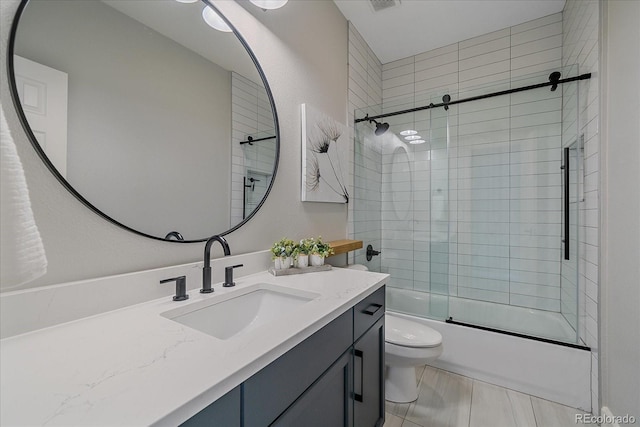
x=446 y=399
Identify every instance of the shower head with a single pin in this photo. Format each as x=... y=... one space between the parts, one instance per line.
x=380 y=127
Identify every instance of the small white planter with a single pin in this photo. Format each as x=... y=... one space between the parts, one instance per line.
x=302 y=261
x=282 y=263
x=316 y=260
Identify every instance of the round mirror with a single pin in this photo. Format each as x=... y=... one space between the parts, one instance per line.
x=152 y=118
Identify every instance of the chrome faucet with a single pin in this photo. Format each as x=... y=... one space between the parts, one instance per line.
x=206 y=270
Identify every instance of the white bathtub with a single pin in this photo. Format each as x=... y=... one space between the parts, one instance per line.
x=527 y=321
x=550 y=371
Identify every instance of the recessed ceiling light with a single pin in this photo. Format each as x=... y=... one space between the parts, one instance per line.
x=187 y=1
x=412 y=137
x=214 y=20
x=269 y=4
x=417 y=141
x=408 y=132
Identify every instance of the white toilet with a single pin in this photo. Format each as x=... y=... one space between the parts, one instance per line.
x=408 y=344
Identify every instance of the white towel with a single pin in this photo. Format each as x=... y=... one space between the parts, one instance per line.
x=22 y=256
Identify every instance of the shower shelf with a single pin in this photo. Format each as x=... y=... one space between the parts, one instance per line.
x=345 y=245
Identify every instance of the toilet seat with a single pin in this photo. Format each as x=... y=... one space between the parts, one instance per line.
x=406 y=333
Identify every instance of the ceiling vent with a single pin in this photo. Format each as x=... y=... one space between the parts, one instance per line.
x=379 y=5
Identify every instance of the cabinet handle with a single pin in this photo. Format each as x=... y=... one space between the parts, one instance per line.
x=371 y=311
x=360 y=354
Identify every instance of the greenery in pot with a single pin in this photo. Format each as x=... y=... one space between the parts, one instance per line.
x=303 y=248
x=283 y=248
x=318 y=247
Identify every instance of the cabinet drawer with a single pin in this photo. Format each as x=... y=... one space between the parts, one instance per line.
x=270 y=392
x=367 y=312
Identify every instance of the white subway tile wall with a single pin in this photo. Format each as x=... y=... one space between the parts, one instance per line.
x=502 y=182
x=365 y=206
x=251 y=115
x=502 y=185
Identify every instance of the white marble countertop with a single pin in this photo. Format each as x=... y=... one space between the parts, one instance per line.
x=132 y=366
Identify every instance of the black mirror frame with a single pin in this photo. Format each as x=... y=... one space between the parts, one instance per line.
x=34 y=142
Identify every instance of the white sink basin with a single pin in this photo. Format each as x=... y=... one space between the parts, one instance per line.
x=238 y=312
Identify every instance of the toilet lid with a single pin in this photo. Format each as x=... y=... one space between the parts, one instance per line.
x=410 y=334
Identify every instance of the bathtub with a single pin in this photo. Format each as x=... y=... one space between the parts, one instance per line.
x=537 y=323
x=550 y=371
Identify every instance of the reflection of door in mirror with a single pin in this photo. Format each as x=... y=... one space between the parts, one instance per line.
x=43 y=93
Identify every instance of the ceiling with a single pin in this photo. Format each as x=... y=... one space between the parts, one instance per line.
x=416 y=26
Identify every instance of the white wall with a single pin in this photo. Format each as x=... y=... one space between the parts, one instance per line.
x=620 y=234
x=303 y=51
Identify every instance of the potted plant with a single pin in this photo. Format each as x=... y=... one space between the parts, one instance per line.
x=281 y=252
x=319 y=251
x=301 y=253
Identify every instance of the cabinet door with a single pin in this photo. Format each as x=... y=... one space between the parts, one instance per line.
x=368 y=386
x=326 y=403
x=224 y=412
x=268 y=393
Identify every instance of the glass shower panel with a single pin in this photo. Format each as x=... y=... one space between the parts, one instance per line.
x=510 y=214
x=572 y=196
x=483 y=202
x=367 y=197
x=393 y=208
x=473 y=223
x=438 y=215
x=398 y=216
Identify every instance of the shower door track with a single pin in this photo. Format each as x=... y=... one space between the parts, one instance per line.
x=553 y=82
x=515 y=334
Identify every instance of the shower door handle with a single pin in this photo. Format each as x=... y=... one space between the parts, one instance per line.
x=566 y=171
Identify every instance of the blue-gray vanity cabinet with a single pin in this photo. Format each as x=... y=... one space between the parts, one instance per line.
x=368 y=384
x=327 y=402
x=368 y=360
x=224 y=412
x=367 y=312
x=333 y=378
x=267 y=394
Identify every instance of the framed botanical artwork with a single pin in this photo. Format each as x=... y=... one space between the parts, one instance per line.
x=325 y=150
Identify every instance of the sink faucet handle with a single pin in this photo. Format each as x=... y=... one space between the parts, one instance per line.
x=181 y=287
x=228 y=275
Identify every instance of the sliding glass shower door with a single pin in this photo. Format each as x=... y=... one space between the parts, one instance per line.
x=402 y=208
x=475 y=208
